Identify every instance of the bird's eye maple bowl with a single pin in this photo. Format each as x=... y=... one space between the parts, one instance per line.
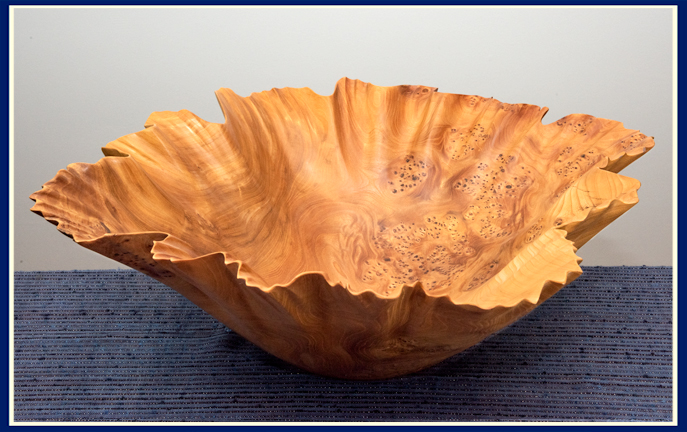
x=362 y=235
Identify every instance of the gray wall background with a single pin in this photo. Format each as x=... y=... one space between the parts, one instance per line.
x=84 y=77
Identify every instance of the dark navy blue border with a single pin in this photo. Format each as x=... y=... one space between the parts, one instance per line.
x=357 y=3
x=682 y=119
x=389 y=427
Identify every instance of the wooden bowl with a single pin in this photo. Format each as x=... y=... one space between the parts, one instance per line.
x=362 y=235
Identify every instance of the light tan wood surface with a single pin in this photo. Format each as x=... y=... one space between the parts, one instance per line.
x=362 y=235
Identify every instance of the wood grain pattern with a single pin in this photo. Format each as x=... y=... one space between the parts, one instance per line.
x=362 y=235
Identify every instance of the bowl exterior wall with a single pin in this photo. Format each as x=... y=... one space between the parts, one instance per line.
x=323 y=329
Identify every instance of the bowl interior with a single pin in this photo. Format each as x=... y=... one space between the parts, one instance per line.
x=373 y=187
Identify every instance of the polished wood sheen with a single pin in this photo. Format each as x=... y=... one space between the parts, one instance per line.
x=362 y=235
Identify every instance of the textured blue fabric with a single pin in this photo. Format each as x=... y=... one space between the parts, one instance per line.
x=119 y=346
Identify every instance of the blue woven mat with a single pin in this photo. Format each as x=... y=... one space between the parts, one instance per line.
x=119 y=346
